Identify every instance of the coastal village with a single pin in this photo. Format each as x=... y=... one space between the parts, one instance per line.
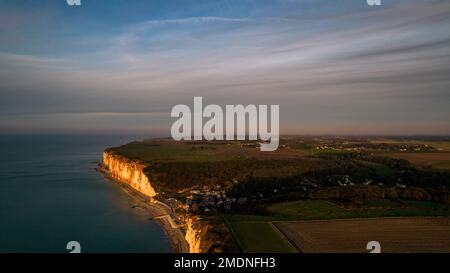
x=210 y=199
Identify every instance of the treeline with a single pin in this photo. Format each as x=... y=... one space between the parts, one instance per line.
x=174 y=176
x=343 y=172
x=386 y=170
x=293 y=179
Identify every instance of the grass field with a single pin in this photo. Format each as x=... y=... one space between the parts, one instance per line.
x=445 y=166
x=165 y=150
x=380 y=169
x=438 y=160
x=412 y=234
x=258 y=237
x=255 y=233
x=173 y=151
x=320 y=209
x=323 y=210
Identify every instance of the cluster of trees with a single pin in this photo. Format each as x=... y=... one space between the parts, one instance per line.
x=175 y=176
x=350 y=169
x=293 y=179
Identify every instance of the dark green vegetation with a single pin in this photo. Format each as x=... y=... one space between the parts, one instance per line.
x=320 y=209
x=326 y=210
x=351 y=177
x=182 y=175
x=254 y=237
x=165 y=150
x=175 y=166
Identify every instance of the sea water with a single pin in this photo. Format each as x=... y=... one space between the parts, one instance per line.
x=50 y=194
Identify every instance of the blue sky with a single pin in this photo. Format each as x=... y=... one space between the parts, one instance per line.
x=334 y=67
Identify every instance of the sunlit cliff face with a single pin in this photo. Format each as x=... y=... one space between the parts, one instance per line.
x=129 y=172
x=132 y=173
x=193 y=236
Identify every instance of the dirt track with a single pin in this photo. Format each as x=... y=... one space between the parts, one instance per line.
x=412 y=234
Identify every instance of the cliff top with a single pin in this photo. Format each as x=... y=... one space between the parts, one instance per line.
x=166 y=150
x=300 y=165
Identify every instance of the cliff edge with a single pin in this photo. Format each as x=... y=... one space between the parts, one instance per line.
x=132 y=173
x=128 y=171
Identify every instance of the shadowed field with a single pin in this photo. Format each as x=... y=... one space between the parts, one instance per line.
x=394 y=234
x=439 y=160
x=259 y=237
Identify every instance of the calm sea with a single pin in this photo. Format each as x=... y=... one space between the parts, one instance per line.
x=50 y=194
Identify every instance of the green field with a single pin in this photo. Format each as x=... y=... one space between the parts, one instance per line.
x=325 y=210
x=165 y=150
x=443 y=166
x=255 y=233
x=438 y=160
x=172 y=151
x=380 y=169
x=319 y=209
x=258 y=237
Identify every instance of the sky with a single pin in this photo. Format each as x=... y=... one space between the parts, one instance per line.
x=334 y=67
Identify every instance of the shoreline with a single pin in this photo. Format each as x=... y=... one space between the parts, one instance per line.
x=159 y=212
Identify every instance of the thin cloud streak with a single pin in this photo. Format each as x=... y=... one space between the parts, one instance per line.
x=384 y=67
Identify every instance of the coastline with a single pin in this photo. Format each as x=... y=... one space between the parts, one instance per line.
x=159 y=212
